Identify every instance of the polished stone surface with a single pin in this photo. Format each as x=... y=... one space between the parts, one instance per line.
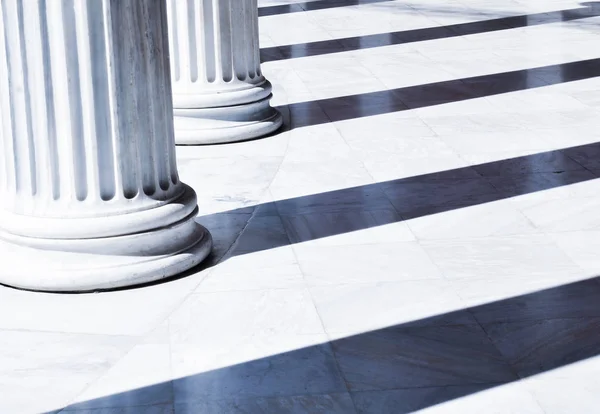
x=421 y=236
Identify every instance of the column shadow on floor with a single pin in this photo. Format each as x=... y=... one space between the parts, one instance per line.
x=312 y=5
x=413 y=97
x=424 y=362
x=333 y=213
x=270 y=54
x=342 y=211
x=402 y=368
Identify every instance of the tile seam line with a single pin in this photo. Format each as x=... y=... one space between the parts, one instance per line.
x=95 y=380
x=325 y=331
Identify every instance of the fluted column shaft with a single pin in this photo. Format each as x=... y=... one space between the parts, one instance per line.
x=88 y=152
x=219 y=92
x=73 y=133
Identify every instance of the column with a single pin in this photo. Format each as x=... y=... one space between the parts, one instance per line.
x=90 y=197
x=219 y=92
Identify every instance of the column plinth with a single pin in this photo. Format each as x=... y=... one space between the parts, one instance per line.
x=90 y=197
x=219 y=92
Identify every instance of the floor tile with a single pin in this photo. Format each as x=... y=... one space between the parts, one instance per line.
x=256 y=313
x=149 y=409
x=312 y=404
x=420 y=357
x=566 y=395
x=225 y=229
x=332 y=265
x=284 y=276
x=361 y=198
x=140 y=378
x=132 y=312
x=569 y=214
x=581 y=247
x=262 y=233
x=421 y=196
x=54 y=366
x=358 y=308
x=534 y=347
x=453 y=222
x=572 y=300
x=489 y=398
x=527 y=256
x=209 y=374
x=351 y=227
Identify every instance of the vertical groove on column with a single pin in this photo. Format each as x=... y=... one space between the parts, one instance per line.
x=7 y=110
x=210 y=49
x=38 y=52
x=248 y=32
x=19 y=100
x=223 y=39
x=237 y=39
x=183 y=40
x=53 y=159
x=169 y=166
x=145 y=102
x=73 y=82
x=123 y=15
x=135 y=70
x=199 y=22
x=64 y=65
x=254 y=36
x=101 y=138
x=174 y=40
x=192 y=43
x=28 y=143
x=86 y=116
x=155 y=123
x=113 y=114
x=84 y=40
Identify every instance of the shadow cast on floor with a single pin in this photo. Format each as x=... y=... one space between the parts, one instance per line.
x=414 y=197
x=420 y=96
x=311 y=6
x=351 y=209
x=429 y=361
x=402 y=368
x=423 y=362
x=270 y=54
x=333 y=213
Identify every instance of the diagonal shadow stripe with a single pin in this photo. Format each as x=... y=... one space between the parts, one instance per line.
x=401 y=99
x=401 y=368
x=275 y=53
x=312 y=5
x=333 y=213
x=426 y=361
x=357 y=208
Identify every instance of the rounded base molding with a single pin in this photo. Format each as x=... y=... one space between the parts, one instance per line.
x=63 y=271
x=226 y=124
x=219 y=94
x=104 y=263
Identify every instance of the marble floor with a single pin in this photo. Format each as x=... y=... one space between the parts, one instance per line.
x=422 y=236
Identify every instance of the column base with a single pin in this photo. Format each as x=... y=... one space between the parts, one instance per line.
x=103 y=263
x=226 y=124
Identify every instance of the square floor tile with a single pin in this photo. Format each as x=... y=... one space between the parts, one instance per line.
x=238 y=314
x=204 y=375
x=534 y=347
x=420 y=357
x=365 y=263
x=358 y=308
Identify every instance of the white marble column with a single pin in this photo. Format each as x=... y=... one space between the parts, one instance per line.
x=219 y=92
x=90 y=198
